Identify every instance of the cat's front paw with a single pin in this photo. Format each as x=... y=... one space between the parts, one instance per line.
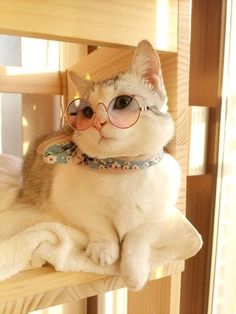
x=103 y=252
x=134 y=273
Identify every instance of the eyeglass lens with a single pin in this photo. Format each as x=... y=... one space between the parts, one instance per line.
x=123 y=111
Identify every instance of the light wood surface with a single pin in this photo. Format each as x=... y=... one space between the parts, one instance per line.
x=44 y=287
x=114 y=23
x=195 y=278
x=157 y=298
x=34 y=83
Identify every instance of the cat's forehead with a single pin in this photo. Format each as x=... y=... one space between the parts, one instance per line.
x=111 y=85
x=105 y=89
x=119 y=85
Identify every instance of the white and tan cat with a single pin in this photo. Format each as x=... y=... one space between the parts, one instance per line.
x=121 y=211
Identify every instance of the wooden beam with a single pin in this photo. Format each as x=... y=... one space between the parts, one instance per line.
x=35 y=83
x=108 y=23
x=158 y=297
x=155 y=298
x=205 y=89
x=206 y=53
x=44 y=287
x=194 y=287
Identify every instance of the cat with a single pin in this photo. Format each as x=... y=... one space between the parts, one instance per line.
x=120 y=210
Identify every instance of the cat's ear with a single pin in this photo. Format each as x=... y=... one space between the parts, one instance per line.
x=83 y=86
x=146 y=64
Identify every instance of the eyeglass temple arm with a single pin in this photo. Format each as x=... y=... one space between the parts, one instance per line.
x=155 y=110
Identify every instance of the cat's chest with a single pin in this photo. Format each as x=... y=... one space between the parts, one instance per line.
x=125 y=198
x=81 y=186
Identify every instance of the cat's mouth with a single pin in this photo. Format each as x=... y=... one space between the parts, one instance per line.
x=105 y=138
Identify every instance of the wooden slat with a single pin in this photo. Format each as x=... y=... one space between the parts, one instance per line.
x=92 y=305
x=195 y=277
x=44 y=287
x=205 y=79
x=35 y=83
x=155 y=298
x=111 y=23
x=206 y=52
x=175 y=291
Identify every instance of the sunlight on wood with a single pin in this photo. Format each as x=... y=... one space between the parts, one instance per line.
x=113 y=302
x=116 y=23
x=24 y=122
x=58 y=309
x=162 y=22
x=198 y=140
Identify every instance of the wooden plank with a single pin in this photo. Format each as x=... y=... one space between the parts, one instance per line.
x=108 y=23
x=74 y=307
x=205 y=81
x=154 y=299
x=206 y=51
x=194 y=295
x=92 y=305
x=157 y=297
x=35 y=83
x=175 y=291
x=44 y=287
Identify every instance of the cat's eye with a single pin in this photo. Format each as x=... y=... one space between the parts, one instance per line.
x=87 y=112
x=79 y=114
x=122 y=102
x=123 y=111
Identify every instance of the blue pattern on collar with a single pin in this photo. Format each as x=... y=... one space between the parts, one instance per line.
x=114 y=163
x=62 y=153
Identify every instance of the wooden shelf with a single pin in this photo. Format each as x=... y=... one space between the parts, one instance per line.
x=109 y=23
x=44 y=287
x=33 y=83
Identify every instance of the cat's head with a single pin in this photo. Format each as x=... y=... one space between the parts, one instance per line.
x=144 y=82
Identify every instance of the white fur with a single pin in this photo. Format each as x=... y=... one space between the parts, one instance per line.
x=121 y=207
x=110 y=206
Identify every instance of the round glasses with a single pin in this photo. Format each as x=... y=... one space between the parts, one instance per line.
x=123 y=111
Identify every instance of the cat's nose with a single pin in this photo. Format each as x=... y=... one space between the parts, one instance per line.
x=99 y=123
x=100 y=116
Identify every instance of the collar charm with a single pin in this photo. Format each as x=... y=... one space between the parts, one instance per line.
x=59 y=153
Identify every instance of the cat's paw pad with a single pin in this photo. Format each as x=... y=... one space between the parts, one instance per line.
x=134 y=274
x=103 y=253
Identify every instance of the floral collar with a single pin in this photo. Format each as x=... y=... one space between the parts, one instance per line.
x=115 y=163
x=63 y=151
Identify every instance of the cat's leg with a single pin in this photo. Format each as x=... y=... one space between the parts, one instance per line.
x=103 y=247
x=135 y=256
